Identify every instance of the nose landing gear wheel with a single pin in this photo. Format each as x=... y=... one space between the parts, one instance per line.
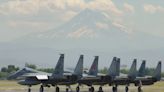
x=67 y=89
x=41 y=88
x=29 y=89
x=100 y=89
x=57 y=89
x=92 y=89
x=126 y=89
x=139 y=89
x=77 y=89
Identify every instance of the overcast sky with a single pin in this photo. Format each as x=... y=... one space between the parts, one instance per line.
x=22 y=17
x=19 y=18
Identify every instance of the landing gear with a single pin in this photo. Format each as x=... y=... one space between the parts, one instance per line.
x=91 y=89
x=100 y=89
x=29 y=88
x=139 y=89
x=114 y=89
x=67 y=89
x=126 y=88
x=41 y=88
x=140 y=85
x=77 y=89
x=57 y=89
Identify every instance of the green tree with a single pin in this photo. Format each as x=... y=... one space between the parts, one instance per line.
x=149 y=71
x=3 y=74
x=48 y=70
x=30 y=66
x=125 y=71
x=104 y=70
x=162 y=74
x=11 y=68
x=4 y=69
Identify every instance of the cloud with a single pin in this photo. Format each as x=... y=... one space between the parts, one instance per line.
x=129 y=8
x=105 y=5
x=61 y=10
x=34 y=6
x=153 y=8
x=19 y=7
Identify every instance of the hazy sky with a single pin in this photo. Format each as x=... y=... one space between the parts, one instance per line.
x=22 y=17
x=37 y=21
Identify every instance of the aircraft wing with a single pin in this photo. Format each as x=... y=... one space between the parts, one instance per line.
x=39 y=76
x=35 y=74
x=16 y=75
x=42 y=77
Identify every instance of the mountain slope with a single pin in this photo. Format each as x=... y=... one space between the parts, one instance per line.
x=90 y=33
x=93 y=30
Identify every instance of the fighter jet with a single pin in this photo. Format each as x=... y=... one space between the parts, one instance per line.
x=93 y=78
x=44 y=79
x=58 y=77
x=72 y=78
x=149 y=80
x=124 y=79
x=138 y=78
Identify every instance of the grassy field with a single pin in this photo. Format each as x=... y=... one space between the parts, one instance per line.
x=12 y=86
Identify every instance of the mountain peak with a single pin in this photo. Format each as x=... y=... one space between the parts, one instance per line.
x=88 y=11
x=90 y=16
x=88 y=23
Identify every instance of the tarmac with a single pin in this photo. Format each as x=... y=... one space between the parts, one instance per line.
x=12 y=86
x=82 y=89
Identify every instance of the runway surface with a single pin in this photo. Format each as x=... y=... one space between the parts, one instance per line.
x=83 y=89
x=12 y=86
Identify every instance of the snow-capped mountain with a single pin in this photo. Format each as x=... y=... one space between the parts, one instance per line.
x=92 y=29
x=85 y=29
x=88 y=24
x=89 y=31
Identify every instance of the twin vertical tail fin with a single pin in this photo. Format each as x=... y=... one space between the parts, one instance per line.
x=141 y=71
x=157 y=72
x=133 y=70
x=94 y=68
x=79 y=66
x=114 y=67
x=59 y=69
x=118 y=67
